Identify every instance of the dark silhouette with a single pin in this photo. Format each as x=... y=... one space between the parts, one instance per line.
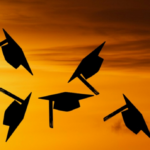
x=88 y=67
x=14 y=114
x=132 y=117
x=13 y=53
x=63 y=101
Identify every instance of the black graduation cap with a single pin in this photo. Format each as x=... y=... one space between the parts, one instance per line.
x=13 y=53
x=65 y=101
x=132 y=117
x=88 y=67
x=14 y=114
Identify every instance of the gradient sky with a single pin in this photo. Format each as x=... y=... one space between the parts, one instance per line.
x=55 y=36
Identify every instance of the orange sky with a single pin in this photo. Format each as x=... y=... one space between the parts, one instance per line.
x=55 y=36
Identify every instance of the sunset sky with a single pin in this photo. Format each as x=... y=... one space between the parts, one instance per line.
x=55 y=36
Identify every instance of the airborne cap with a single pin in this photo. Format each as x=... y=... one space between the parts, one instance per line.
x=88 y=67
x=65 y=101
x=13 y=53
x=14 y=114
x=132 y=117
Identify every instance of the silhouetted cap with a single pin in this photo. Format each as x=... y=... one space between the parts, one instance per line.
x=134 y=119
x=66 y=101
x=13 y=53
x=63 y=101
x=14 y=114
x=89 y=65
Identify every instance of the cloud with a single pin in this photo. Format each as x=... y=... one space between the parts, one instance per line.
x=131 y=55
x=84 y=20
x=124 y=27
x=120 y=127
x=93 y=16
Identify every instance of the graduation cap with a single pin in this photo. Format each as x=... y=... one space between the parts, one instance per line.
x=65 y=101
x=13 y=53
x=132 y=117
x=14 y=114
x=88 y=67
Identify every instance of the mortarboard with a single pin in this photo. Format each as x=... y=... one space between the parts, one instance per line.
x=14 y=114
x=65 y=101
x=132 y=117
x=88 y=67
x=13 y=53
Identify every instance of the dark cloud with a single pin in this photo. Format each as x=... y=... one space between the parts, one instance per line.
x=119 y=126
x=125 y=25
x=131 y=55
x=123 y=16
